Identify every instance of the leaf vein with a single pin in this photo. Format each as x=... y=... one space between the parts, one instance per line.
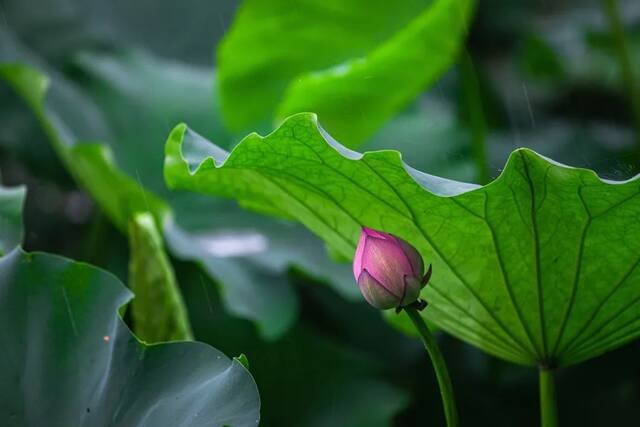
x=576 y=279
x=534 y=229
x=451 y=267
x=573 y=344
x=507 y=285
x=499 y=343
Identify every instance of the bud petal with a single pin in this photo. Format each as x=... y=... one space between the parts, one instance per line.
x=357 y=259
x=375 y=293
x=386 y=262
x=411 y=290
x=389 y=270
x=417 y=265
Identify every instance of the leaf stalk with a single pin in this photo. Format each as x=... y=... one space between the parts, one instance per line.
x=548 y=405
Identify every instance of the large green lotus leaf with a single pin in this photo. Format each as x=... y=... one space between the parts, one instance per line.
x=11 y=231
x=537 y=267
x=69 y=360
x=246 y=253
x=354 y=64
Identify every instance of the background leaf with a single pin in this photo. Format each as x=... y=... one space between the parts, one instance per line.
x=74 y=362
x=353 y=64
x=554 y=284
x=158 y=311
x=252 y=277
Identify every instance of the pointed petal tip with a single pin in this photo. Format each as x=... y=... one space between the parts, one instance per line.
x=371 y=232
x=427 y=276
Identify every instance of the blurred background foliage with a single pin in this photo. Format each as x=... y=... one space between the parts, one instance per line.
x=540 y=74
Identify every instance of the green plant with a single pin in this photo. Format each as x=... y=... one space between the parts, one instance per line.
x=69 y=359
x=537 y=267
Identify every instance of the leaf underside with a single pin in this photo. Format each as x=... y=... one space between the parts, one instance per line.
x=537 y=267
x=69 y=360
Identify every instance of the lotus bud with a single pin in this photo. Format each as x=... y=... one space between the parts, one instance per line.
x=389 y=271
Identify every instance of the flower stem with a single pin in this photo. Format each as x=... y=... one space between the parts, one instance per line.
x=444 y=381
x=548 y=407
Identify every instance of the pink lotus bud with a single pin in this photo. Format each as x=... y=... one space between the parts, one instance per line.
x=389 y=270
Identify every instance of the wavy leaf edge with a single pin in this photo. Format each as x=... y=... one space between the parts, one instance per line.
x=430 y=183
x=179 y=165
x=121 y=296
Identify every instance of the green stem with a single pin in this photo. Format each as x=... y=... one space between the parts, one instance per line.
x=622 y=51
x=477 y=120
x=444 y=381
x=548 y=407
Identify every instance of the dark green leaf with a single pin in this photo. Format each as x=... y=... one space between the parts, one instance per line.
x=54 y=28
x=353 y=64
x=91 y=164
x=140 y=97
x=538 y=266
x=69 y=360
x=200 y=229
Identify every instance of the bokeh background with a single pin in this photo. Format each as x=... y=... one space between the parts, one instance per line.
x=537 y=73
